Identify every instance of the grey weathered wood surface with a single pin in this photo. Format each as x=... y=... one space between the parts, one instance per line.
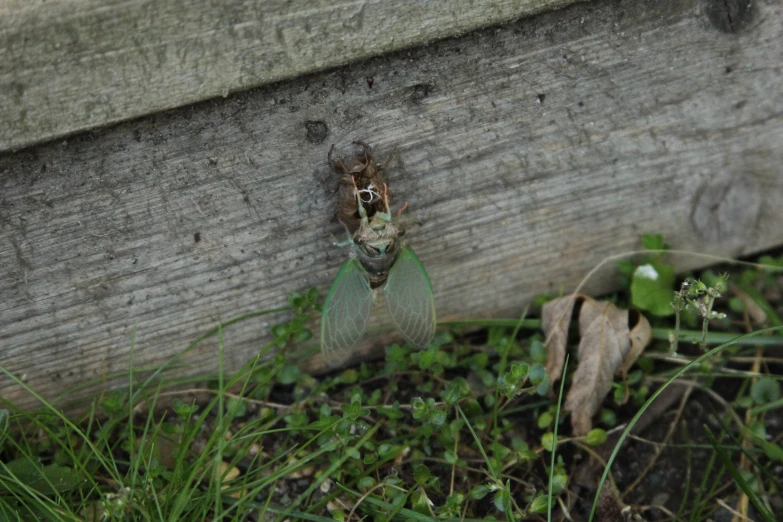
x=527 y=154
x=70 y=65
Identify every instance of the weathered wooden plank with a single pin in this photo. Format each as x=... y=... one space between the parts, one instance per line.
x=70 y=65
x=526 y=153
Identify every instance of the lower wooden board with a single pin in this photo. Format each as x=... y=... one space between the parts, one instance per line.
x=526 y=153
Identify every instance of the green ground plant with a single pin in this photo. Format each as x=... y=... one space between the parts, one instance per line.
x=471 y=428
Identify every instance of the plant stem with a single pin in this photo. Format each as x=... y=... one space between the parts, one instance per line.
x=675 y=339
x=705 y=323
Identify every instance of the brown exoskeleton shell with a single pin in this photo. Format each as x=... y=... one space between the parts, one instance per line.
x=362 y=172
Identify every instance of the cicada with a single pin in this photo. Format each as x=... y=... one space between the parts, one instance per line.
x=377 y=256
x=360 y=173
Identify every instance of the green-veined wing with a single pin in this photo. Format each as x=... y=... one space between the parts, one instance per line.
x=409 y=299
x=346 y=312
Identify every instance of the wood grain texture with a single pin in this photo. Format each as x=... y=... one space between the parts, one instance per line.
x=526 y=153
x=70 y=65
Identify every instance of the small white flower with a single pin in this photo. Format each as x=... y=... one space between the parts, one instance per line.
x=646 y=271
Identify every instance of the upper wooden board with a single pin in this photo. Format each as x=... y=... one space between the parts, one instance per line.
x=70 y=65
x=527 y=154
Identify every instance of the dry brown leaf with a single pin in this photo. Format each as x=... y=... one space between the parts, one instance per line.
x=555 y=318
x=604 y=333
x=640 y=337
x=607 y=346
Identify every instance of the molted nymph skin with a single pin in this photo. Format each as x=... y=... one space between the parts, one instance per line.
x=362 y=170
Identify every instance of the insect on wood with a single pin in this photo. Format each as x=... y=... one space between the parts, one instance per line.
x=360 y=171
x=377 y=256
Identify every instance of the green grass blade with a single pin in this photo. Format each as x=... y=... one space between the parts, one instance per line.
x=212 y=331
x=693 y=364
x=769 y=406
x=330 y=471
x=659 y=334
x=739 y=446
x=738 y=478
x=478 y=443
x=554 y=442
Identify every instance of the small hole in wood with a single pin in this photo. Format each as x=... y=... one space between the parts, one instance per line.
x=316 y=131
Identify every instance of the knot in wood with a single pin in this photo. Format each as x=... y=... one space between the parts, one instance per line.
x=730 y=16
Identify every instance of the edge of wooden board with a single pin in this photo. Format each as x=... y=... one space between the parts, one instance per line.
x=68 y=66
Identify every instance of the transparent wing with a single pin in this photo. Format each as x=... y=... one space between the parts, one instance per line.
x=346 y=312
x=409 y=299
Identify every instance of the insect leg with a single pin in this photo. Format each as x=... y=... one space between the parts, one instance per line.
x=381 y=166
x=336 y=242
x=385 y=216
x=362 y=211
x=329 y=156
x=336 y=165
x=366 y=149
x=386 y=198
